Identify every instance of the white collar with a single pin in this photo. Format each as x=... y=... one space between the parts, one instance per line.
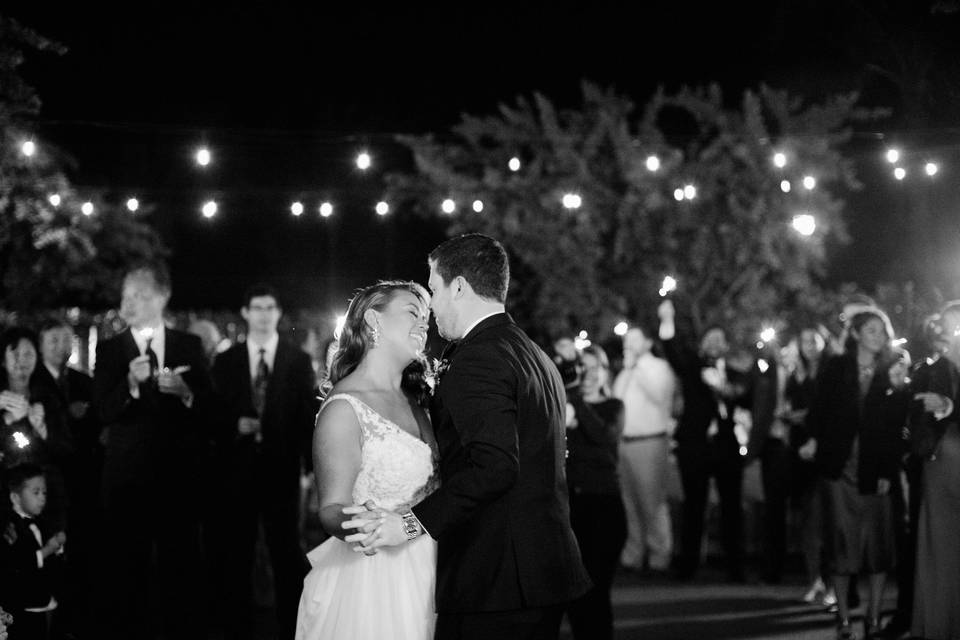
x=269 y=346
x=478 y=321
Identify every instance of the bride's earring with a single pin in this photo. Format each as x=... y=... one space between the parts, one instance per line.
x=375 y=336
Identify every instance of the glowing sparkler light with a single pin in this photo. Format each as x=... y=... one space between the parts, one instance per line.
x=21 y=440
x=87 y=208
x=54 y=199
x=209 y=209
x=28 y=148
x=621 y=329
x=669 y=285
x=382 y=208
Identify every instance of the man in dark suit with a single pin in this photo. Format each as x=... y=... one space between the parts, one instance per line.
x=151 y=386
x=265 y=388
x=706 y=441
x=507 y=559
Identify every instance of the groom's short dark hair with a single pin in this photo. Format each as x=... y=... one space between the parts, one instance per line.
x=481 y=260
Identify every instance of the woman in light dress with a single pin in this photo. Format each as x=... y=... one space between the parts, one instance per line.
x=373 y=446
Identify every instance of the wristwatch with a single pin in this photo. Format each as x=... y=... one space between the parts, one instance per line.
x=411 y=526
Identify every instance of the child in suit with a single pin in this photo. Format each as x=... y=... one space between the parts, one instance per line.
x=27 y=562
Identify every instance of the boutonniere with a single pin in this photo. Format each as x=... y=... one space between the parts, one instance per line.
x=437 y=368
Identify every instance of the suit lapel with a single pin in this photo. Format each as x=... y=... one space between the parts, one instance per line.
x=128 y=345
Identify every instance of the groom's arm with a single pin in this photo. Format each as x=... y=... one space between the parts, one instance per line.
x=479 y=392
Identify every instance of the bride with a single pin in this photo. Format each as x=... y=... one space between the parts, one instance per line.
x=373 y=445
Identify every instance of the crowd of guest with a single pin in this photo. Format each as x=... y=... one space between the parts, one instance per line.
x=134 y=500
x=137 y=496
x=861 y=444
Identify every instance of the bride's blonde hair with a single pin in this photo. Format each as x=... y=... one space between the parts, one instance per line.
x=357 y=336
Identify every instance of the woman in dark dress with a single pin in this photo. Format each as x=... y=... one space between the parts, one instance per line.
x=800 y=393
x=594 y=425
x=857 y=422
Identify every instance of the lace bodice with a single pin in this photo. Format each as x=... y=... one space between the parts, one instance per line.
x=397 y=469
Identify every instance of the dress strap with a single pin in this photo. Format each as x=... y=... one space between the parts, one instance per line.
x=357 y=405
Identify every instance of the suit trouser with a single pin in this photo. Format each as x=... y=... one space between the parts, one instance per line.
x=600 y=525
x=542 y=623
x=154 y=563
x=643 y=479
x=775 y=467
x=251 y=499
x=906 y=494
x=698 y=462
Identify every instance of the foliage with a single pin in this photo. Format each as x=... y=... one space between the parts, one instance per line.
x=51 y=255
x=731 y=248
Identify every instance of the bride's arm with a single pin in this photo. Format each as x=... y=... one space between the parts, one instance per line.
x=336 y=462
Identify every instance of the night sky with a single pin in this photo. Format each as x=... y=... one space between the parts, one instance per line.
x=286 y=97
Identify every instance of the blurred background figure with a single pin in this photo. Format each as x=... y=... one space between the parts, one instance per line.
x=809 y=349
x=267 y=405
x=707 y=445
x=565 y=357
x=935 y=435
x=211 y=339
x=152 y=392
x=646 y=386
x=30 y=430
x=72 y=391
x=856 y=424
x=594 y=427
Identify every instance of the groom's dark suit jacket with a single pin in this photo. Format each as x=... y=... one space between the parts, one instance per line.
x=501 y=517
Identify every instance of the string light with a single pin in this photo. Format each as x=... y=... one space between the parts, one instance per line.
x=382 y=208
x=785 y=186
x=54 y=199
x=804 y=224
x=779 y=160
x=296 y=208
x=87 y=208
x=203 y=156
x=931 y=168
x=448 y=206
x=689 y=192
x=133 y=204
x=572 y=201
x=678 y=194
x=326 y=209
x=478 y=206
x=809 y=182
x=893 y=156
x=653 y=163
x=209 y=209
x=621 y=329
x=363 y=161
x=899 y=173
x=28 y=148
x=514 y=164
x=769 y=334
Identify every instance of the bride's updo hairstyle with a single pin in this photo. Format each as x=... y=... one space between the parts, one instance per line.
x=357 y=337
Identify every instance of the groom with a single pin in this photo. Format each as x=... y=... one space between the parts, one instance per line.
x=507 y=560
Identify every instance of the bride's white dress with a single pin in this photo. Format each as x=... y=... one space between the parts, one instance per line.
x=388 y=595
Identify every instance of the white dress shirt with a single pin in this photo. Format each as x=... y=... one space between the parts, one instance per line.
x=158 y=344
x=646 y=390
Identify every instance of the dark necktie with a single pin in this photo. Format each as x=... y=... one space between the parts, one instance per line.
x=260 y=384
x=154 y=361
